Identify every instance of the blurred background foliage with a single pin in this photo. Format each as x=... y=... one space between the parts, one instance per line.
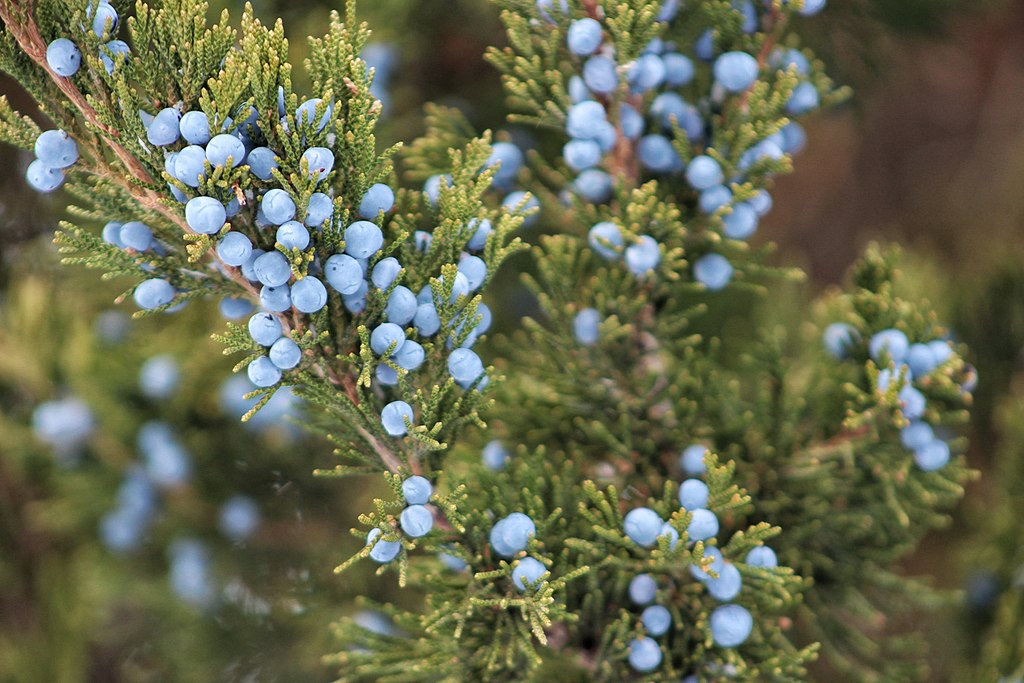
x=928 y=153
x=75 y=606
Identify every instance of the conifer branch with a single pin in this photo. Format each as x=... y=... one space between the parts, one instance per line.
x=18 y=17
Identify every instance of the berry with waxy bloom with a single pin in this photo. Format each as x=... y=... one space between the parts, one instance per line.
x=528 y=571
x=393 y=417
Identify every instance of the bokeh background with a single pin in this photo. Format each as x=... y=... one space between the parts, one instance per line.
x=929 y=153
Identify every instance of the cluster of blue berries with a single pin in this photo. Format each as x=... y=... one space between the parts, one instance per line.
x=595 y=129
x=290 y=275
x=55 y=152
x=415 y=521
x=731 y=624
x=283 y=288
x=907 y=363
x=507 y=160
x=644 y=652
x=282 y=352
x=406 y=312
x=641 y=257
x=63 y=56
x=234 y=146
x=166 y=465
x=136 y=238
x=389 y=339
x=200 y=150
x=403 y=307
x=509 y=536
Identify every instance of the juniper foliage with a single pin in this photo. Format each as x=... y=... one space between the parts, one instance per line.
x=803 y=449
x=815 y=442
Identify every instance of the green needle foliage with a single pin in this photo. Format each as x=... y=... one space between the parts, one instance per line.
x=179 y=61
x=800 y=450
x=814 y=441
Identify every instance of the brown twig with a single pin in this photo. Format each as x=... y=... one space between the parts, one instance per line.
x=385 y=454
x=623 y=161
x=440 y=521
x=593 y=9
x=18 y=19
x=774 y=22
x=815 y=453
x=348 y=386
